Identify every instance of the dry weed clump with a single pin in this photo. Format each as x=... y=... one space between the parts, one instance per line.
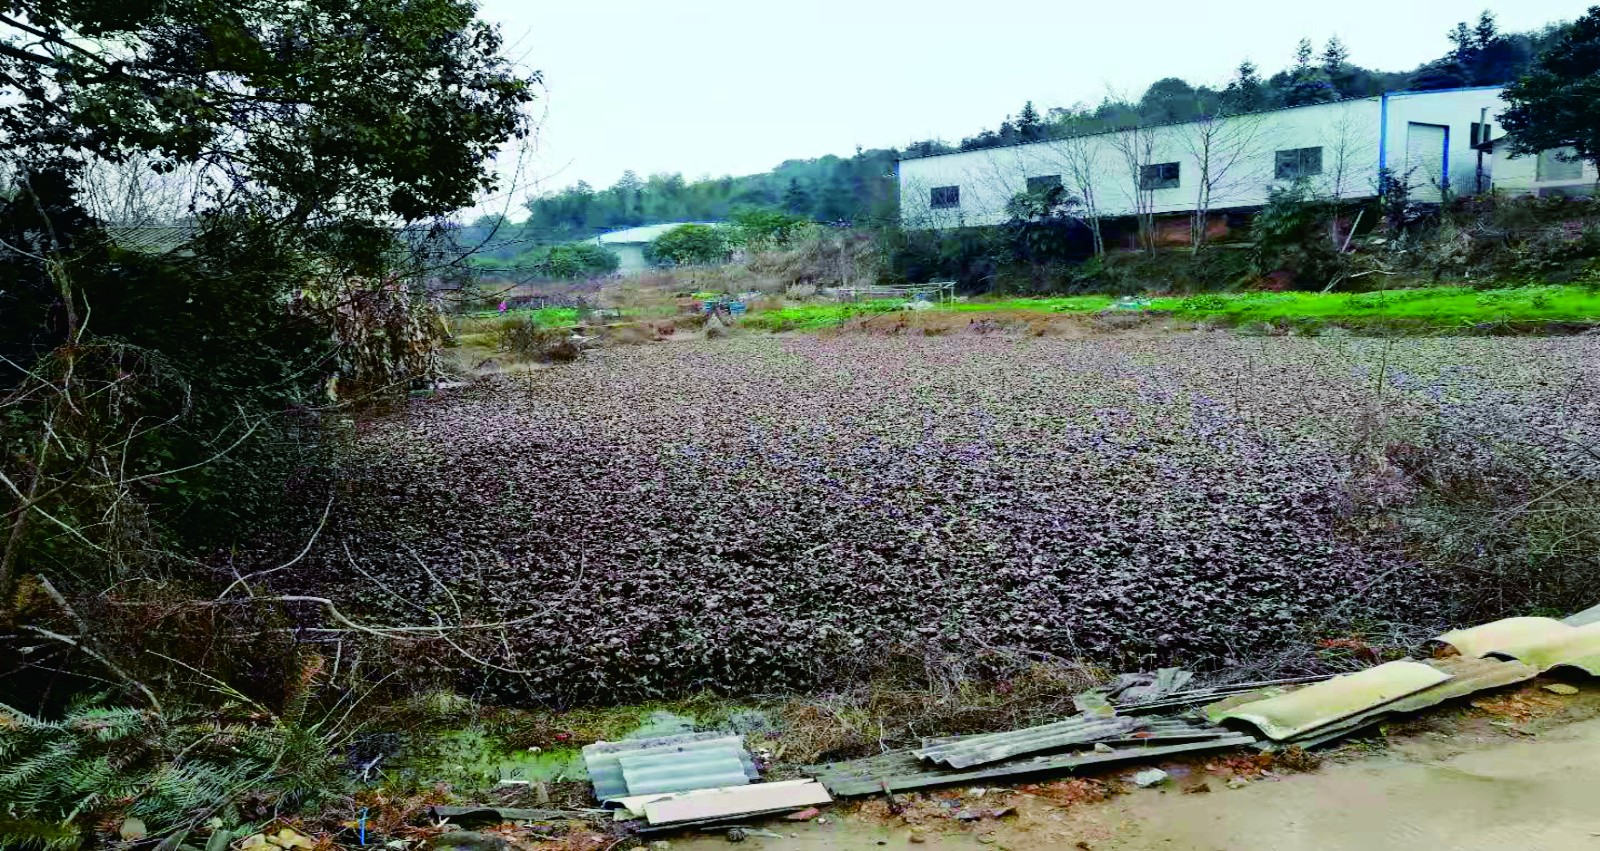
x=909 y=698
x=533 y=342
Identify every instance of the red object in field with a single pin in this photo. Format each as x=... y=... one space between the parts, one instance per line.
x=806 y=814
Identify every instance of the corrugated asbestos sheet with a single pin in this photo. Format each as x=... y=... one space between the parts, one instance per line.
x=967 y=751
x=1464 y=675
x=1467 y=676
x=652 y=773
x=1583 y=618
x=150 y=239
x=1315 y=706
x=694 y=761
x=902 y=770
x=1543 y=643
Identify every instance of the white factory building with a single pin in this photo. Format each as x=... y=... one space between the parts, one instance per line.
x=1434 y=141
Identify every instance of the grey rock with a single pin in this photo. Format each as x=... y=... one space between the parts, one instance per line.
x=467 y=840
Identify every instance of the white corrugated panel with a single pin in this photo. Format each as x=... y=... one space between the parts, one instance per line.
x=735 y=801
x=649 y=773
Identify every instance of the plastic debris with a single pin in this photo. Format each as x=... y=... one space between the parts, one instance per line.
x=1149 y=777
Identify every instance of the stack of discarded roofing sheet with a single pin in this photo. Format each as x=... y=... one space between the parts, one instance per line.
x=1319 y=713
x=706 y=778
x=1493 y=655
x=689 y=780
x=1078 y=742
x=667 y=764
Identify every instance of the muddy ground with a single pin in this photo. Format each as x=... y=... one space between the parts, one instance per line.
x=1517 y=769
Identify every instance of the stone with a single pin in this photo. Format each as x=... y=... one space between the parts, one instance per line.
x=1102 y=747
x=1238 y=783
x=1149 y=777
x=467 y=840
x=1561 y=688
x=916 y=839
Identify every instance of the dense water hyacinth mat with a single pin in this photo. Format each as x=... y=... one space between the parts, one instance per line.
x=769 y=514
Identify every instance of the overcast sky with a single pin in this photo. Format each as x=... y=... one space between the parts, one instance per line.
x=714 y=87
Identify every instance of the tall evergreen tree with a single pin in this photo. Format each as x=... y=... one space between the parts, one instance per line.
x=1029 y=126
x=1487 y=32
x=1307 y=83
x=796 y=199
x=1335 y=56
x=1245 y=92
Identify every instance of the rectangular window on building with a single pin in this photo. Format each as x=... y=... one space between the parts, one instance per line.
x=945 y=197
x=1559 y=164
x=1043 y=183
x=1159 y=176
x=1296 y=163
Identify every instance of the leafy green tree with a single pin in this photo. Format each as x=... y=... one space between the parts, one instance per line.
x=1169 y=100
x=760 y=227
x=688 y=245
x=268 y=97
x=1554 y=105
x=835 y=203
x=308 y=131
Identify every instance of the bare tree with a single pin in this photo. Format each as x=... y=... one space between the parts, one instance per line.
x=1348 y=147
x=1136 y=146
x=1074 y=154
x=1222 y=147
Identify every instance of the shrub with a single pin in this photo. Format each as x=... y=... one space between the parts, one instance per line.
x=573 y=261
x=172 y=771
x=689 y=245
x=1291 y=235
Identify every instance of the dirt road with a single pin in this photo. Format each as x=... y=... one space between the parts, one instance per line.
x=1427 y=793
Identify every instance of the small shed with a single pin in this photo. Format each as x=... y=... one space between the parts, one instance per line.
x=1553 y=172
